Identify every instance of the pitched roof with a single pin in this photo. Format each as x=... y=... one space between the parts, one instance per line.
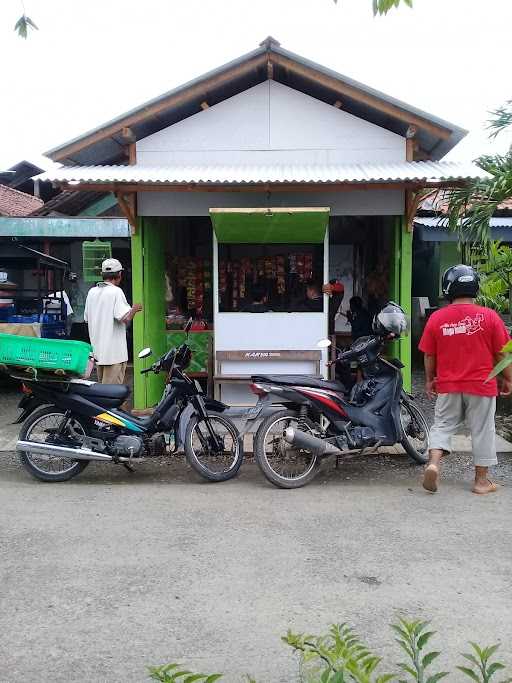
x=16 y=203
x=104 y=144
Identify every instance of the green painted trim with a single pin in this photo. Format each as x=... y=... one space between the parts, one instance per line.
x=394 y=275
x=99 y=206
x=50 y=226
x=297 y=227
x=406 y=298
x=148 y=288
x=139 y=384
x=154 y=301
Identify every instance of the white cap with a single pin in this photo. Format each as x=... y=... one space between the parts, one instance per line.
x=111 y=265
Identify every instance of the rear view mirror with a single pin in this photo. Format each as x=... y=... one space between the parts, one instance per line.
x=324 y=343
x=145 y=353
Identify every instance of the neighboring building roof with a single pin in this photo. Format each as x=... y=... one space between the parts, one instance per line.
x=438 y=203
x=103 y=144
x=427 y=171
x=21 y=172
x=435 y=229
x=67 y=204
x=16 y=203
x=441 y=222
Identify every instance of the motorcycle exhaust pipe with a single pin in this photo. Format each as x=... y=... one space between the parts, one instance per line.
x=63 y=451
x=316 y=446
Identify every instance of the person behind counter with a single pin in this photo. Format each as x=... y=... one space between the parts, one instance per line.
x=259 y=301
x=315 y=299
x=359 y=318
x=336 y=292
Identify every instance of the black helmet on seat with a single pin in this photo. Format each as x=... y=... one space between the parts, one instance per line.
x=460 y=281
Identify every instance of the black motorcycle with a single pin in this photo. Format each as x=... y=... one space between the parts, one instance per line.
x=322 y=418
x=66 y=424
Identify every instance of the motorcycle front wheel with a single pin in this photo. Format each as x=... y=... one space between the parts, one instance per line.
x=283 y=464
x=203 y=453
x=44 y=426
x=415 y=431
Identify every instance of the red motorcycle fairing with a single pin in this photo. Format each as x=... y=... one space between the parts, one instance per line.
x=325 y=397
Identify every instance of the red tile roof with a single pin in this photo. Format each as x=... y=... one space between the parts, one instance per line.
x=16 y=203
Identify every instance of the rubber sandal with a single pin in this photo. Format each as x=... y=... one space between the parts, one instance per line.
x=431 y=478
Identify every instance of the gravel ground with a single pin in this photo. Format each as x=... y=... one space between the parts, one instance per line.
x=458 y=466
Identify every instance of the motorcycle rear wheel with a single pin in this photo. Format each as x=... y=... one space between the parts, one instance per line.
x=201 y=454
x=284 y=466
x=43 y=422
x=415 y=431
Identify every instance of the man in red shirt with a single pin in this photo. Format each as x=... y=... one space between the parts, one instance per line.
x=462 y=342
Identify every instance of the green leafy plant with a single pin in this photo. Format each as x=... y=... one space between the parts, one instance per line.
x=174 y=673
x=504 y=362
x=492 y=294
x=413 y=637
x=340 y=657
x=482 y=667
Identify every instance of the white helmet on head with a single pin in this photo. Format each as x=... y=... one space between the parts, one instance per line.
x=111 y=266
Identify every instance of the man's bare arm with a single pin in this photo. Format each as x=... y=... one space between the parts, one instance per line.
x=430 y=374
x=131 y=313
x=506 y=385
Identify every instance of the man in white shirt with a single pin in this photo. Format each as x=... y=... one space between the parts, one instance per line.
x=107 y=313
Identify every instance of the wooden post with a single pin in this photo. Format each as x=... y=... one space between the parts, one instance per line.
x=410 y=143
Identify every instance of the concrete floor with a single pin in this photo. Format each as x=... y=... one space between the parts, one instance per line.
x=112 y=572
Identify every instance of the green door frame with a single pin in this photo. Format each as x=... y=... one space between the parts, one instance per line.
x=401 y=289
x=148 y=287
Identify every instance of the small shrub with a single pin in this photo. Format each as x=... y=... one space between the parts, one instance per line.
x=341 y=657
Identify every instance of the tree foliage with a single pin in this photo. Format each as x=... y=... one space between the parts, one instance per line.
x=383 y=6
x=471 y=207
x=24 y=25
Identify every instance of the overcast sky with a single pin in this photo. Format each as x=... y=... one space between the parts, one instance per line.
x=94 y=59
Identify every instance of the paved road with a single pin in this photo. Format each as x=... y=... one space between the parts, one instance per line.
x=111 y=572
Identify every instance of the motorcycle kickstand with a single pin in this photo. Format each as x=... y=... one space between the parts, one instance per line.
x=129 y=467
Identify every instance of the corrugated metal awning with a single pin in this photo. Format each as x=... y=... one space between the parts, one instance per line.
x=441 y=223
x=435 y=229
x=65 y=226
x=431 y=172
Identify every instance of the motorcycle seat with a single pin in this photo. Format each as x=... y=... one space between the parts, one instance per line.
x=106 y=395
x=300 y=380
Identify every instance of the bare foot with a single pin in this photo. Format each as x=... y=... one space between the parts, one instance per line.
x=484 y=486
x=431 y=478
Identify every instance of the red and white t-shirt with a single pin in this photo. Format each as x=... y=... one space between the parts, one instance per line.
x=465 y=339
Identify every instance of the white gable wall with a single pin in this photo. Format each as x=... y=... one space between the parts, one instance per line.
x=271 y=124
